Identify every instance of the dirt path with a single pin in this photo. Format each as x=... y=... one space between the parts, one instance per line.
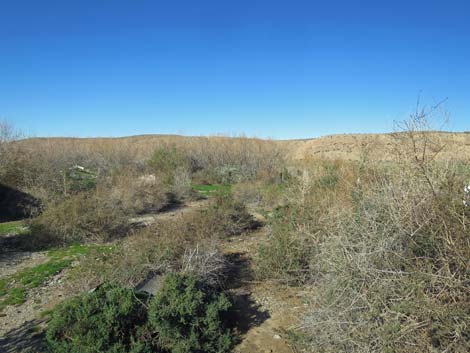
x=265 y=310
x=148 y=219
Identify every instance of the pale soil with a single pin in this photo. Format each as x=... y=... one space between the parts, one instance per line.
x=265 y=310
x=456 y=146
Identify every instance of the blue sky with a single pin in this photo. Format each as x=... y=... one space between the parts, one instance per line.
x=281 y=69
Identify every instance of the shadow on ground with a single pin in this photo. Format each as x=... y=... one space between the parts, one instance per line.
x=238 y=270
x=15 y=204
x=245 y=313
x=27 y=241
x=29 y=337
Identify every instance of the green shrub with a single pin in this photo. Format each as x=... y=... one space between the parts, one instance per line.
x=79 y=179
x=330 y=177
x=110 y=319
x=167 y=161
x=190 y=316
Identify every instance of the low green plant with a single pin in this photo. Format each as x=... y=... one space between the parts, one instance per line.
x=109 y=319
x=80 y=179
x=14 y=288
x=190 y=316
x=208 y=190
x=186 y=316
x=14 y=227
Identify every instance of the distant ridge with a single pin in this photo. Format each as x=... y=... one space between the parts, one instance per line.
x=378 y=146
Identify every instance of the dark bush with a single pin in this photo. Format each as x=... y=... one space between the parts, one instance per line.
x=190 y=316
x=110 y=319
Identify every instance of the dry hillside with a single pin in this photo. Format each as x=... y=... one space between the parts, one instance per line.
x=376 y=146
x=346 y=146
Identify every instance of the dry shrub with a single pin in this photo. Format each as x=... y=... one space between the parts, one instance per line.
x=386 y=249
x=205 y=262
x=235 y=159
x=11 y=155
x=42 y=165
x=83 y=217
x=260 y=194
x=187 y=244
x=219 y=160
x=227 y=216
x=295 y=226
x=392 y=272
x=137 y=194
x=136 y=257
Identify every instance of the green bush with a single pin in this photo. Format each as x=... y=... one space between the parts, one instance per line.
x=167 y=161
x=190 y=316
x=79 y=179
x=110 y=319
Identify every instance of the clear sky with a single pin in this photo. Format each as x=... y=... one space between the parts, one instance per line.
x=282 y=69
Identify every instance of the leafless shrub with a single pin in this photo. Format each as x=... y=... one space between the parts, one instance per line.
x=205 y=262
x=136 y=194
x=181 y=187
x=80 y=218
x=10 y=154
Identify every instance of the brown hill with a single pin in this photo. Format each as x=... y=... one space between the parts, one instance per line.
x=378 y=146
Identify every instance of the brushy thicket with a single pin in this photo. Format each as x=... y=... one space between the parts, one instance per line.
x=89 y=191
x=186 y=316
x=80 y=218
x=385 y=248
x=188 y=244
x=41 y=166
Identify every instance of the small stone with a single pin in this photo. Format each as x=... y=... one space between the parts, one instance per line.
x=277 y=337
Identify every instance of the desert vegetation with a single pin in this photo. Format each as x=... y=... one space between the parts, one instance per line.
x=143 y=235
x=384 y=247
